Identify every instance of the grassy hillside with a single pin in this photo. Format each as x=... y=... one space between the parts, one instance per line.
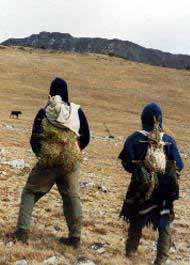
x=111 y=91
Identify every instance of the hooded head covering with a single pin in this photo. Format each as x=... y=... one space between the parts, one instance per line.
x=59 y=87
x=150 y=111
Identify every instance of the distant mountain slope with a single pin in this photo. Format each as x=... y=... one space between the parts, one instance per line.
x=114 y=47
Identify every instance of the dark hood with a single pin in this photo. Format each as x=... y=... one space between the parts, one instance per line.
x=150 y=111
x=59 y=87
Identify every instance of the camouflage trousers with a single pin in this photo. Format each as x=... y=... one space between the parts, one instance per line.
x=163 y=243
x=40 y=181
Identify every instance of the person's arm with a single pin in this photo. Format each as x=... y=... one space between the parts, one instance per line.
x=127 y=155
x=173 y=152
x=84 y=132
x=176 y=156
x=37 y=130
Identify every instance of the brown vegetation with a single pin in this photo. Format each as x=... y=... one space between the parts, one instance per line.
x=111 y=91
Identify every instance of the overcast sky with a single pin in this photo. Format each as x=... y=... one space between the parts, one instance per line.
x=163 y=24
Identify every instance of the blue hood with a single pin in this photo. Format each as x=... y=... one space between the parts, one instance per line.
x=150 y=111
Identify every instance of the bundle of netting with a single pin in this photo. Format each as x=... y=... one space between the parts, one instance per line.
x=59 y=147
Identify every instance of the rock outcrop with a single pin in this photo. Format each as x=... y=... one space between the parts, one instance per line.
x=114 y=47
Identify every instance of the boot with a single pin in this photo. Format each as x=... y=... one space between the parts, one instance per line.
x=163 y=246
x=19 y=235
x=132 y=242
x=130 y=252
x=159 y=262
x=70 y=241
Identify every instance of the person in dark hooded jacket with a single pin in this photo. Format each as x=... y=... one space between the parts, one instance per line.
x=59 y=87
x=158 y=208
x=62 y=118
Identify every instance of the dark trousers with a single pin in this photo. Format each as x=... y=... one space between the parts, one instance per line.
x=163 y=243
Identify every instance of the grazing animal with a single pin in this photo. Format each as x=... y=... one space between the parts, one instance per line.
x=15 y=114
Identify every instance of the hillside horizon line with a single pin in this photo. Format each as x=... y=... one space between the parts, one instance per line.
x=114 y=47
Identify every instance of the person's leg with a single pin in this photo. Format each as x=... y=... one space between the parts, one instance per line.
x=134 y=236
x=69 y=189
x=40 y=181
x=163 y=245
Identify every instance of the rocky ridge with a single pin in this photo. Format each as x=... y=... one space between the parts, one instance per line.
x=115 y=47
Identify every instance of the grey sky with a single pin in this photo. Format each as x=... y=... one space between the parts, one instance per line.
x=163 y=24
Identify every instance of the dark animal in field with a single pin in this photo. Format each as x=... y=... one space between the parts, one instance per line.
x=15 y=114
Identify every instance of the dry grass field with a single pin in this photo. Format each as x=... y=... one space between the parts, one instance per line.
x=111 y=91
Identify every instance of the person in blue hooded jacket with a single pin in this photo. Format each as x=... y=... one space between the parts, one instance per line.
x=158 y=208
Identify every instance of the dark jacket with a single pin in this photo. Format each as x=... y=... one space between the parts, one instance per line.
x=135 y=150
x=37 y=131
x=166 y=189
x=58 y=87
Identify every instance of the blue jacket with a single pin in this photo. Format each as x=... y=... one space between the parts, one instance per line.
x=134 y=150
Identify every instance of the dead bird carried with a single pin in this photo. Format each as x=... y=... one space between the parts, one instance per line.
x=155 y=159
